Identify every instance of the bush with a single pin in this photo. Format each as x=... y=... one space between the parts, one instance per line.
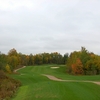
x=8 y=86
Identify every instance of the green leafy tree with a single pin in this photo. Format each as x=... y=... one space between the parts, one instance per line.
x=65 y=58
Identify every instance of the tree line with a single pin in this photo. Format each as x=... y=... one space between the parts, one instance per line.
x=13 y=60
x=80 y=62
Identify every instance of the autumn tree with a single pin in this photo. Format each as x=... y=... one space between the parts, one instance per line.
x=46 y=58
x=8 y=69
x=87 y=62
x=12 y=52
x=13 y=59
x=77 y=67
x=73 y=61
x=23 y=59
x=93 y=65
x=38 y=59
x=30 y=59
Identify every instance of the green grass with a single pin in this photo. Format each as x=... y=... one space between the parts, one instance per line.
x=38 y=87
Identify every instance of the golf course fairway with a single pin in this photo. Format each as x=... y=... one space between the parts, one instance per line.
x=37 y=86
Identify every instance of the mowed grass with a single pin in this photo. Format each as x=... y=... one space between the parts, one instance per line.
x=35 y=86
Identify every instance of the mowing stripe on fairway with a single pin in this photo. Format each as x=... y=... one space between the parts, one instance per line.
x=35 y=86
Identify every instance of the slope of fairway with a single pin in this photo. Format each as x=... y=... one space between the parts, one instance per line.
x=35 y=86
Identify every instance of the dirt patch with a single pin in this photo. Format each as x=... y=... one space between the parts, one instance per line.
x=57 y=79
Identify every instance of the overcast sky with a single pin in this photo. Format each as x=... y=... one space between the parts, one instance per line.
x=36 y=26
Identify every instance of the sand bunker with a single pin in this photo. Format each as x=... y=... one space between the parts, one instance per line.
x=57 y=79
x=54 y=67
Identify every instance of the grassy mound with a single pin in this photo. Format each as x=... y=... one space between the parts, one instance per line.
x=8 y=86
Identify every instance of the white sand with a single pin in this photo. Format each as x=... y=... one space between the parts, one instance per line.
x=54 y=67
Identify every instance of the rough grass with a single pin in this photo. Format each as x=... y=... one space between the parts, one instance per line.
x=8 y=86
x=38 y=87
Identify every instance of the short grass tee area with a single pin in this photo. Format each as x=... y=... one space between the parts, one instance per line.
x=37 y=86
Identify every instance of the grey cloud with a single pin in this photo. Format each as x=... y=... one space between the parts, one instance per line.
x=48 y=26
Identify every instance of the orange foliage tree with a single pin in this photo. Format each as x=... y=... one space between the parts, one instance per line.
x=77 y=67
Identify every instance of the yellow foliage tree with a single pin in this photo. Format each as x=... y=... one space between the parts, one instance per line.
x=8 y=68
